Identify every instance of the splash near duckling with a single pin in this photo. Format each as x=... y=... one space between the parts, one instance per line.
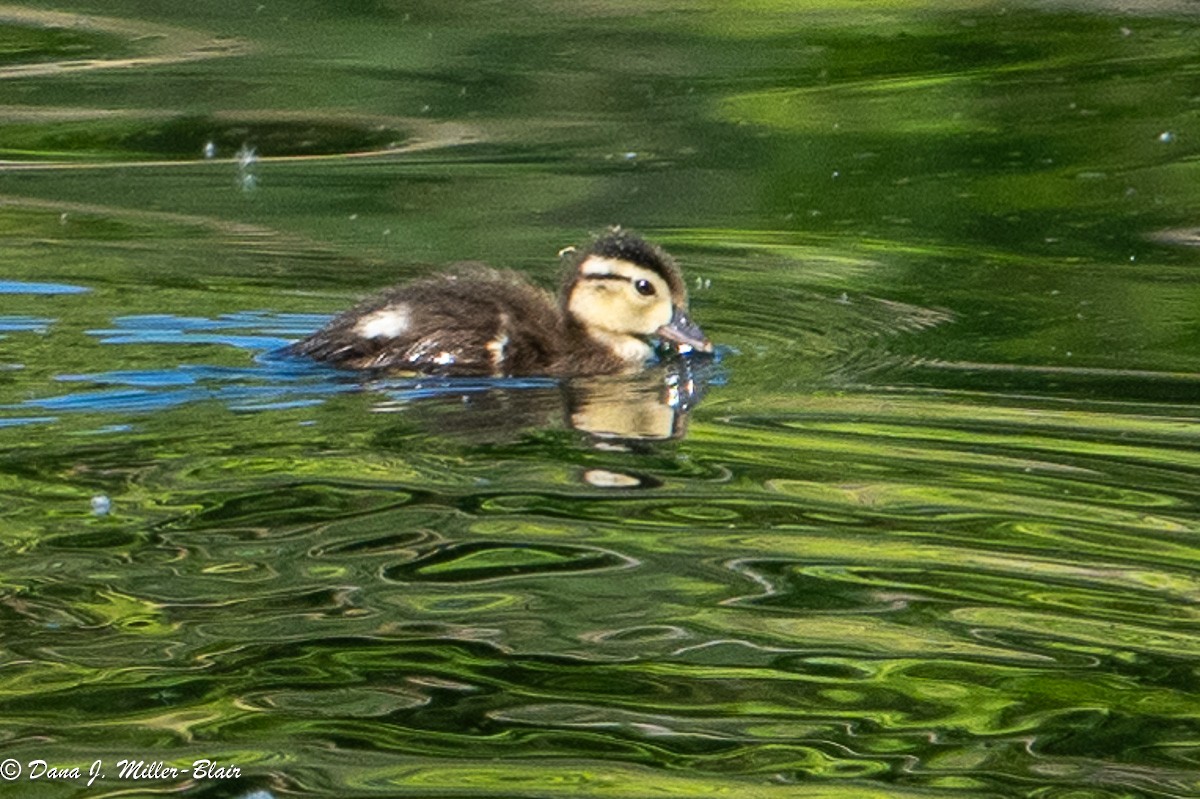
x=621 y=295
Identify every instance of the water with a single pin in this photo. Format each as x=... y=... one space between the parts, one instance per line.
x=927 y=528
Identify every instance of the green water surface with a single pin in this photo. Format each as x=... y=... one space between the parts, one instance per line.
x=928 y=528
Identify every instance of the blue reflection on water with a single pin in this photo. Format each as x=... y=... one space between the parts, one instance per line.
x=24 y=324
x=271 y=382
x=18 y=421
x=252 y=330
x=23 y=287
x=274 y=381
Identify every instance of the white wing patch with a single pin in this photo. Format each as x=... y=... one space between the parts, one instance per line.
x=497 y=348
x=389 y=322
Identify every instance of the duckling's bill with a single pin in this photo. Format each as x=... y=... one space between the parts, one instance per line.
x=685 y=334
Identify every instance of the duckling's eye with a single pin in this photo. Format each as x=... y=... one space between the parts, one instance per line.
x=644 y=287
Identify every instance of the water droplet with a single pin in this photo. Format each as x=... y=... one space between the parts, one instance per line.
x=247 y=157
x=101 y=505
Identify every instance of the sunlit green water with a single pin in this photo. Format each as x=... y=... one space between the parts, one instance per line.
x=932 y=530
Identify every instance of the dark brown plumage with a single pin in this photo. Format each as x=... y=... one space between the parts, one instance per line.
x=474 y=320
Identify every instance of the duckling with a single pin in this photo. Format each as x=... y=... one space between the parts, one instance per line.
x=620 y=293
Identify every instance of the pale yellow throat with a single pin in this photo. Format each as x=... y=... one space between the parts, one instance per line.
x=629 y=349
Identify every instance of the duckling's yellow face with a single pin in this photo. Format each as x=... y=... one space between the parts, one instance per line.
x=614 y=298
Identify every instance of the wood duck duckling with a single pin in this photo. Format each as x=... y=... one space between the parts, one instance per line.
x=621 y=293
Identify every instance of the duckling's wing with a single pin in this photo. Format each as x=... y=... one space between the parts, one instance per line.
x=444 y=351
x=484 y=323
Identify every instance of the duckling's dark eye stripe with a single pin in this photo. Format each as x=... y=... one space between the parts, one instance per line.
x=608 y=277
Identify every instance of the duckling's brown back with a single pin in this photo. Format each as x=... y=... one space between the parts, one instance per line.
x=471 y=321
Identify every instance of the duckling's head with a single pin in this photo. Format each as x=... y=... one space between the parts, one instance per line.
x=624 y=291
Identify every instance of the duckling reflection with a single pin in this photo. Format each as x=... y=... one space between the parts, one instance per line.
x=652 y=405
